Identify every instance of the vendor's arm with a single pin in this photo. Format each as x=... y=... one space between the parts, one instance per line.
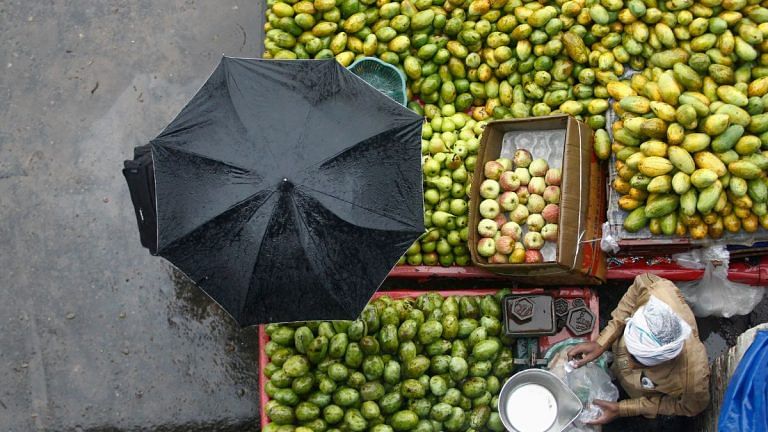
x=686 y=405
x=693 y=400
x=627 y=306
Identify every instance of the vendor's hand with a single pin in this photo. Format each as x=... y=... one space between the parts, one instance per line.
x=610 y=412
x=586 y=352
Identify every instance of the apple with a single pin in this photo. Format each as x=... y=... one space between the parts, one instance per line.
x=554 y=176
x=489 y=189
x=498 y=258
x=519 y=214
x=508 y=201
x=505 y=162
x=519 y=245
x=513 y=230
x=509 y=181
x=523 y=175
x=538 y=168
x=493 y=170
x=487 y=228
x=535 y=222
x=533 y=257
x=537 y=185
x=522 y=158
x=489 y=208
x=486 y=247
x=522 y=194
x=535 y=204
x=532 y=240
x=517 y=257
x=505 y=245
x=549 y=232
x=500 y=220
x=551 y=213
x=552 y=194
x=497 y=235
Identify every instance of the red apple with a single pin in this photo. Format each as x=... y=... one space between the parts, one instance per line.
x=519 y=214
x=554 y=176
x=535 y=222
x=522 y=195
x=509 y=181
x=523 y=175
x=533 y=240
x=505 y=162
x=537 y=185
x=535 y=204
x=500 y=220
x=508 y=201
x=522 y=158
x=552 y=194
x=533 y=257
x=551 y=213
x=505 y=245
x=489 y=208
x=486 y=247
x=512 y=229
x=498 y=258
x=487 y=228
x=538 y=168
x=493 y=170
x=489 y=189
x=549 y=232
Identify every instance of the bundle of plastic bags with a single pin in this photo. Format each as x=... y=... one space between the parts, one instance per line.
x=714 y=294
x=588 y=382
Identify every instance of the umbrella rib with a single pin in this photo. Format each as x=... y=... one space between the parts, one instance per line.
x=195 y=154
x=232 y=207
x=390 y=217
x=306 y=227
x=229 y=78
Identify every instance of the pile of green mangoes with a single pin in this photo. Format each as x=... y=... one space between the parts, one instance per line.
x=430 y=363
x=495 y=59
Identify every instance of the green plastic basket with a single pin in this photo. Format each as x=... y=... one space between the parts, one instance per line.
x=382 y=76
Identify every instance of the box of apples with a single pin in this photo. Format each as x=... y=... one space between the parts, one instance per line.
x=535 y=191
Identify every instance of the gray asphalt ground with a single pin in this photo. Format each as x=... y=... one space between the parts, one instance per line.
x=95 y=334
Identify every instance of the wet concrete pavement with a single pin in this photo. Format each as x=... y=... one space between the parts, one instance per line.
x=94 y=333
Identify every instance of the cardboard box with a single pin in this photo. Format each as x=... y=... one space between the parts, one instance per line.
x=578 y=260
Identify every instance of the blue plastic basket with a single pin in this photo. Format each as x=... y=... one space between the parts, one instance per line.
x=382 y=76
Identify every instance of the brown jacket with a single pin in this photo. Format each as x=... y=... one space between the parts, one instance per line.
x=681 y=385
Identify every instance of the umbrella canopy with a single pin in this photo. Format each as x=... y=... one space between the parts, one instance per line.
x=287 y=190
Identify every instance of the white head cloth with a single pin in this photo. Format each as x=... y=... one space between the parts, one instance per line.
x=655 y=333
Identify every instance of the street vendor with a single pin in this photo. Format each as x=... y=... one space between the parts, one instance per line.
x=659 y=360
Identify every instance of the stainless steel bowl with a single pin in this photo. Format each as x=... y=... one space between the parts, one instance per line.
x=537 y=393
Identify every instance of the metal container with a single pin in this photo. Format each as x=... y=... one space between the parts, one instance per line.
x=535 y=400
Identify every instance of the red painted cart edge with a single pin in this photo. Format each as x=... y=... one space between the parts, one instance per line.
x=739 y=272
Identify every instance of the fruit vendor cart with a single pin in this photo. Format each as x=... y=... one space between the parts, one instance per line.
x=673 y=98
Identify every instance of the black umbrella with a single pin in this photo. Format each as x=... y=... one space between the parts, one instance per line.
x=286 y=189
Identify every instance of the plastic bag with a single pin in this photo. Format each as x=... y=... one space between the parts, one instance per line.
x=609 y=243
x=714 y=294
x=744 y=403
x=588 y=382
